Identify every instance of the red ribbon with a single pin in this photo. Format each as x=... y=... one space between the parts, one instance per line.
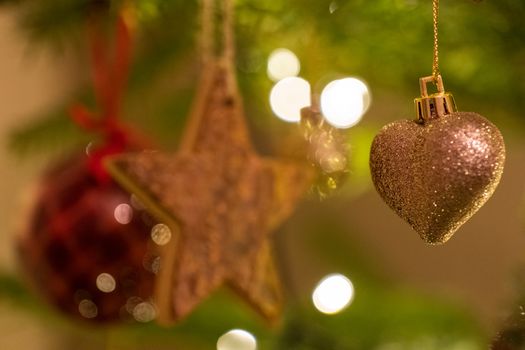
x=109 y=75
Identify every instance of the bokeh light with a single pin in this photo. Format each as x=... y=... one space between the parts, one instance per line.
x=288 y=97
x=161 y=234
x=123 y=213
x=344 y=101
x=89 y=148
x=151 y=262
x=333 y=7
x=87 y=308
x=144 y=312
x=333 y=294
x=136 y=203
x=237 y=339
x=106 y=283
x=283 y=63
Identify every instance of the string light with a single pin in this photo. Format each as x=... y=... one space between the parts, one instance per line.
x=333 y=294
x=161 y=234
x=106 y=283
x=288 y=97
x=344 y=101
x=333 y=7
x=283 y=63
x=88 y=308
x=144 y=312
x=123 y=213
x=237 y=339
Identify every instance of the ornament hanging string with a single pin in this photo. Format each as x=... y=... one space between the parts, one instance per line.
x=207 y=44
x=435 y=16
x=109 y=69
x=228 y=50
x=206 y=34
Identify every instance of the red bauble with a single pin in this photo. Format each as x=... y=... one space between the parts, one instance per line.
x=86 y=247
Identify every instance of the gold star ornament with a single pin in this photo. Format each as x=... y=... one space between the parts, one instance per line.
x=218 y=201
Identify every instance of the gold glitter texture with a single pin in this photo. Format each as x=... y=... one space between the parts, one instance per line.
x=220 y=200
x=437 y=174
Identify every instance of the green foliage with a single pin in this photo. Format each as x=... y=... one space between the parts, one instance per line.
x=395 y=319
x=13 y=288
x=58 y=19
x=54 y=132
x=386 y=42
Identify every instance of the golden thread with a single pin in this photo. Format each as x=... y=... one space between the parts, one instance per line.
x=228 y=50
x=206 y=34
x=435 y=15
x=208 y=45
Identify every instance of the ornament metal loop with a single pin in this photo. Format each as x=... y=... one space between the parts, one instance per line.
x=435 y=105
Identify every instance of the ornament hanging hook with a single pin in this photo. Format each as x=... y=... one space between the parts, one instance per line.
x=435 y=105
x=438 y=81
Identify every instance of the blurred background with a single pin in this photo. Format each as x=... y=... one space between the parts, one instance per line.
x=400 y=293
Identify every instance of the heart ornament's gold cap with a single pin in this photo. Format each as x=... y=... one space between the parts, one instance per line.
x=435 y=105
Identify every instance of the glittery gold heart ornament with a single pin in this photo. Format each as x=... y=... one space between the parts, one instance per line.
x=436 y=171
